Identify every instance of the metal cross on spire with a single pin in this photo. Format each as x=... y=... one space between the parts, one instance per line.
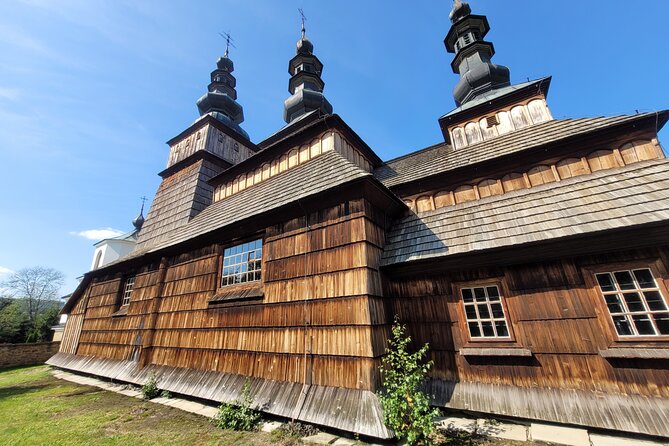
x=229 y=42
x=144 y=200
x=304 y=18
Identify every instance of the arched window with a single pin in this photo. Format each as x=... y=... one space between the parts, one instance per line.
x=519 y=117
x=539 y=175
x=442 y=199
x=505 y=125
x=488 y=132
x=423 y=204
x=459 y=139
x=538 y=111
x=489 y=188
x=464 y=193
x=473 y=133
x=602 y=160
x=98 y=260
x=638 y=151
x=513 y=181
x=570 y=167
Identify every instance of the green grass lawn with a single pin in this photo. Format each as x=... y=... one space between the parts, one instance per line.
x=38 y=409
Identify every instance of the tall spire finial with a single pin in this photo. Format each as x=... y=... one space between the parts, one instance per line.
x=304 y=19
x=139 y=220
x=228 y=42
x=220 y=102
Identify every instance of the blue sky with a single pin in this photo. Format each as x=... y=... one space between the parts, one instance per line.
x=91 y=90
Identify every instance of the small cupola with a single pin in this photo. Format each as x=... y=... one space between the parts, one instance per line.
x=221 y=99
x=305 y=85
x=478 y=75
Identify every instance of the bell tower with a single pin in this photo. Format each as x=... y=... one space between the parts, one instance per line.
x=212 y=144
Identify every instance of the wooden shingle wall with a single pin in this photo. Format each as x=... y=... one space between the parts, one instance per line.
x=553 y=312
x=550 y=171
x=321 y=320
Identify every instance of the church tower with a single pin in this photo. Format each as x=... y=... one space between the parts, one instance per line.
x=488 y=106
x=212 y=144
x=305 y=85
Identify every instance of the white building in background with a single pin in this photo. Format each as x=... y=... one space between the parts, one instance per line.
x=106 y=251
x=110 y=249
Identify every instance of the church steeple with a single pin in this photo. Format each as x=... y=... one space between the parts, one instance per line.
x=472 y=55
x=221 y=99
x=305 y=85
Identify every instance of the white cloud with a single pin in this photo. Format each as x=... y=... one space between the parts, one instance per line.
x=4 y=270
x=98 y=234
x=11 y=94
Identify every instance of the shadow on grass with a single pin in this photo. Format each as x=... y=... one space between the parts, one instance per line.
x=6 y=392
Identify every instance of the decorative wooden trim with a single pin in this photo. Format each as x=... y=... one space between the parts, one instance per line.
x=556 y=174
x=617 y=157
x=635 y=353
x=496 y=351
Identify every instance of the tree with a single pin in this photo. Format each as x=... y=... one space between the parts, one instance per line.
x=37 y=286
x=406 y=408
x=14 y=322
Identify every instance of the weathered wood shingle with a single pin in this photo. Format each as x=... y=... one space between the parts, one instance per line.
x=318 y=175
x=635 y=195
x=442 y=158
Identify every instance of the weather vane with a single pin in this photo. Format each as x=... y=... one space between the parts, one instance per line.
x=304 y=18
x=144 y=199
x=229 y=42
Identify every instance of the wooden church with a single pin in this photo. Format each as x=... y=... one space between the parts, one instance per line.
x=531 y=253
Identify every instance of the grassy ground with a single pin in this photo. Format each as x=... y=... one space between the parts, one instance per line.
x=38 y=409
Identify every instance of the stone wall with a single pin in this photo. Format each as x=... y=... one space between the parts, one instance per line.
x=27 y=354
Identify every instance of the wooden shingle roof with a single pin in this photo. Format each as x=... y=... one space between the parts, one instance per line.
x=442 y=158
x=317 y=175
x=635 y=195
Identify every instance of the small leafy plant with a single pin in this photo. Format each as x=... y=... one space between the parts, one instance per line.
x=294 y=430
x=406 y=408
x=150 y=388
x=238 y=415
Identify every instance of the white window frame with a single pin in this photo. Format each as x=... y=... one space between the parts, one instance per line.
x=128 y=285
x=620 y=301
x=478 y=319
x=242 y=263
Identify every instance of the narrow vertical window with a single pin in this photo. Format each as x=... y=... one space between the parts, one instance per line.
x=486 y=318
x=635 y=302
x=127 y=290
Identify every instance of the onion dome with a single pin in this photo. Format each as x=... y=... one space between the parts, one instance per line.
x=139 y=220
x=460 y=10
x=478 y=75
x=220 y=101
x=305 y=85
x=304 y=45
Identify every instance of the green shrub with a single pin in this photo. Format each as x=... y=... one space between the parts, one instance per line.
x=406 y=408
x=165 y=394
x=238 y=415
x=150 y=388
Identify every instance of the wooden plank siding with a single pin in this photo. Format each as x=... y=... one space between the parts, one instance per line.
x=322 y=320
x=552 y=311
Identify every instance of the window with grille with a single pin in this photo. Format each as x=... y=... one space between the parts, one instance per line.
x=635 y=302
x=127 y=290
x=242 y=263
x=485 y=314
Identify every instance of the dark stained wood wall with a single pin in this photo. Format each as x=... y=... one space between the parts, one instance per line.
x=321 y=321
x=554 y=311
